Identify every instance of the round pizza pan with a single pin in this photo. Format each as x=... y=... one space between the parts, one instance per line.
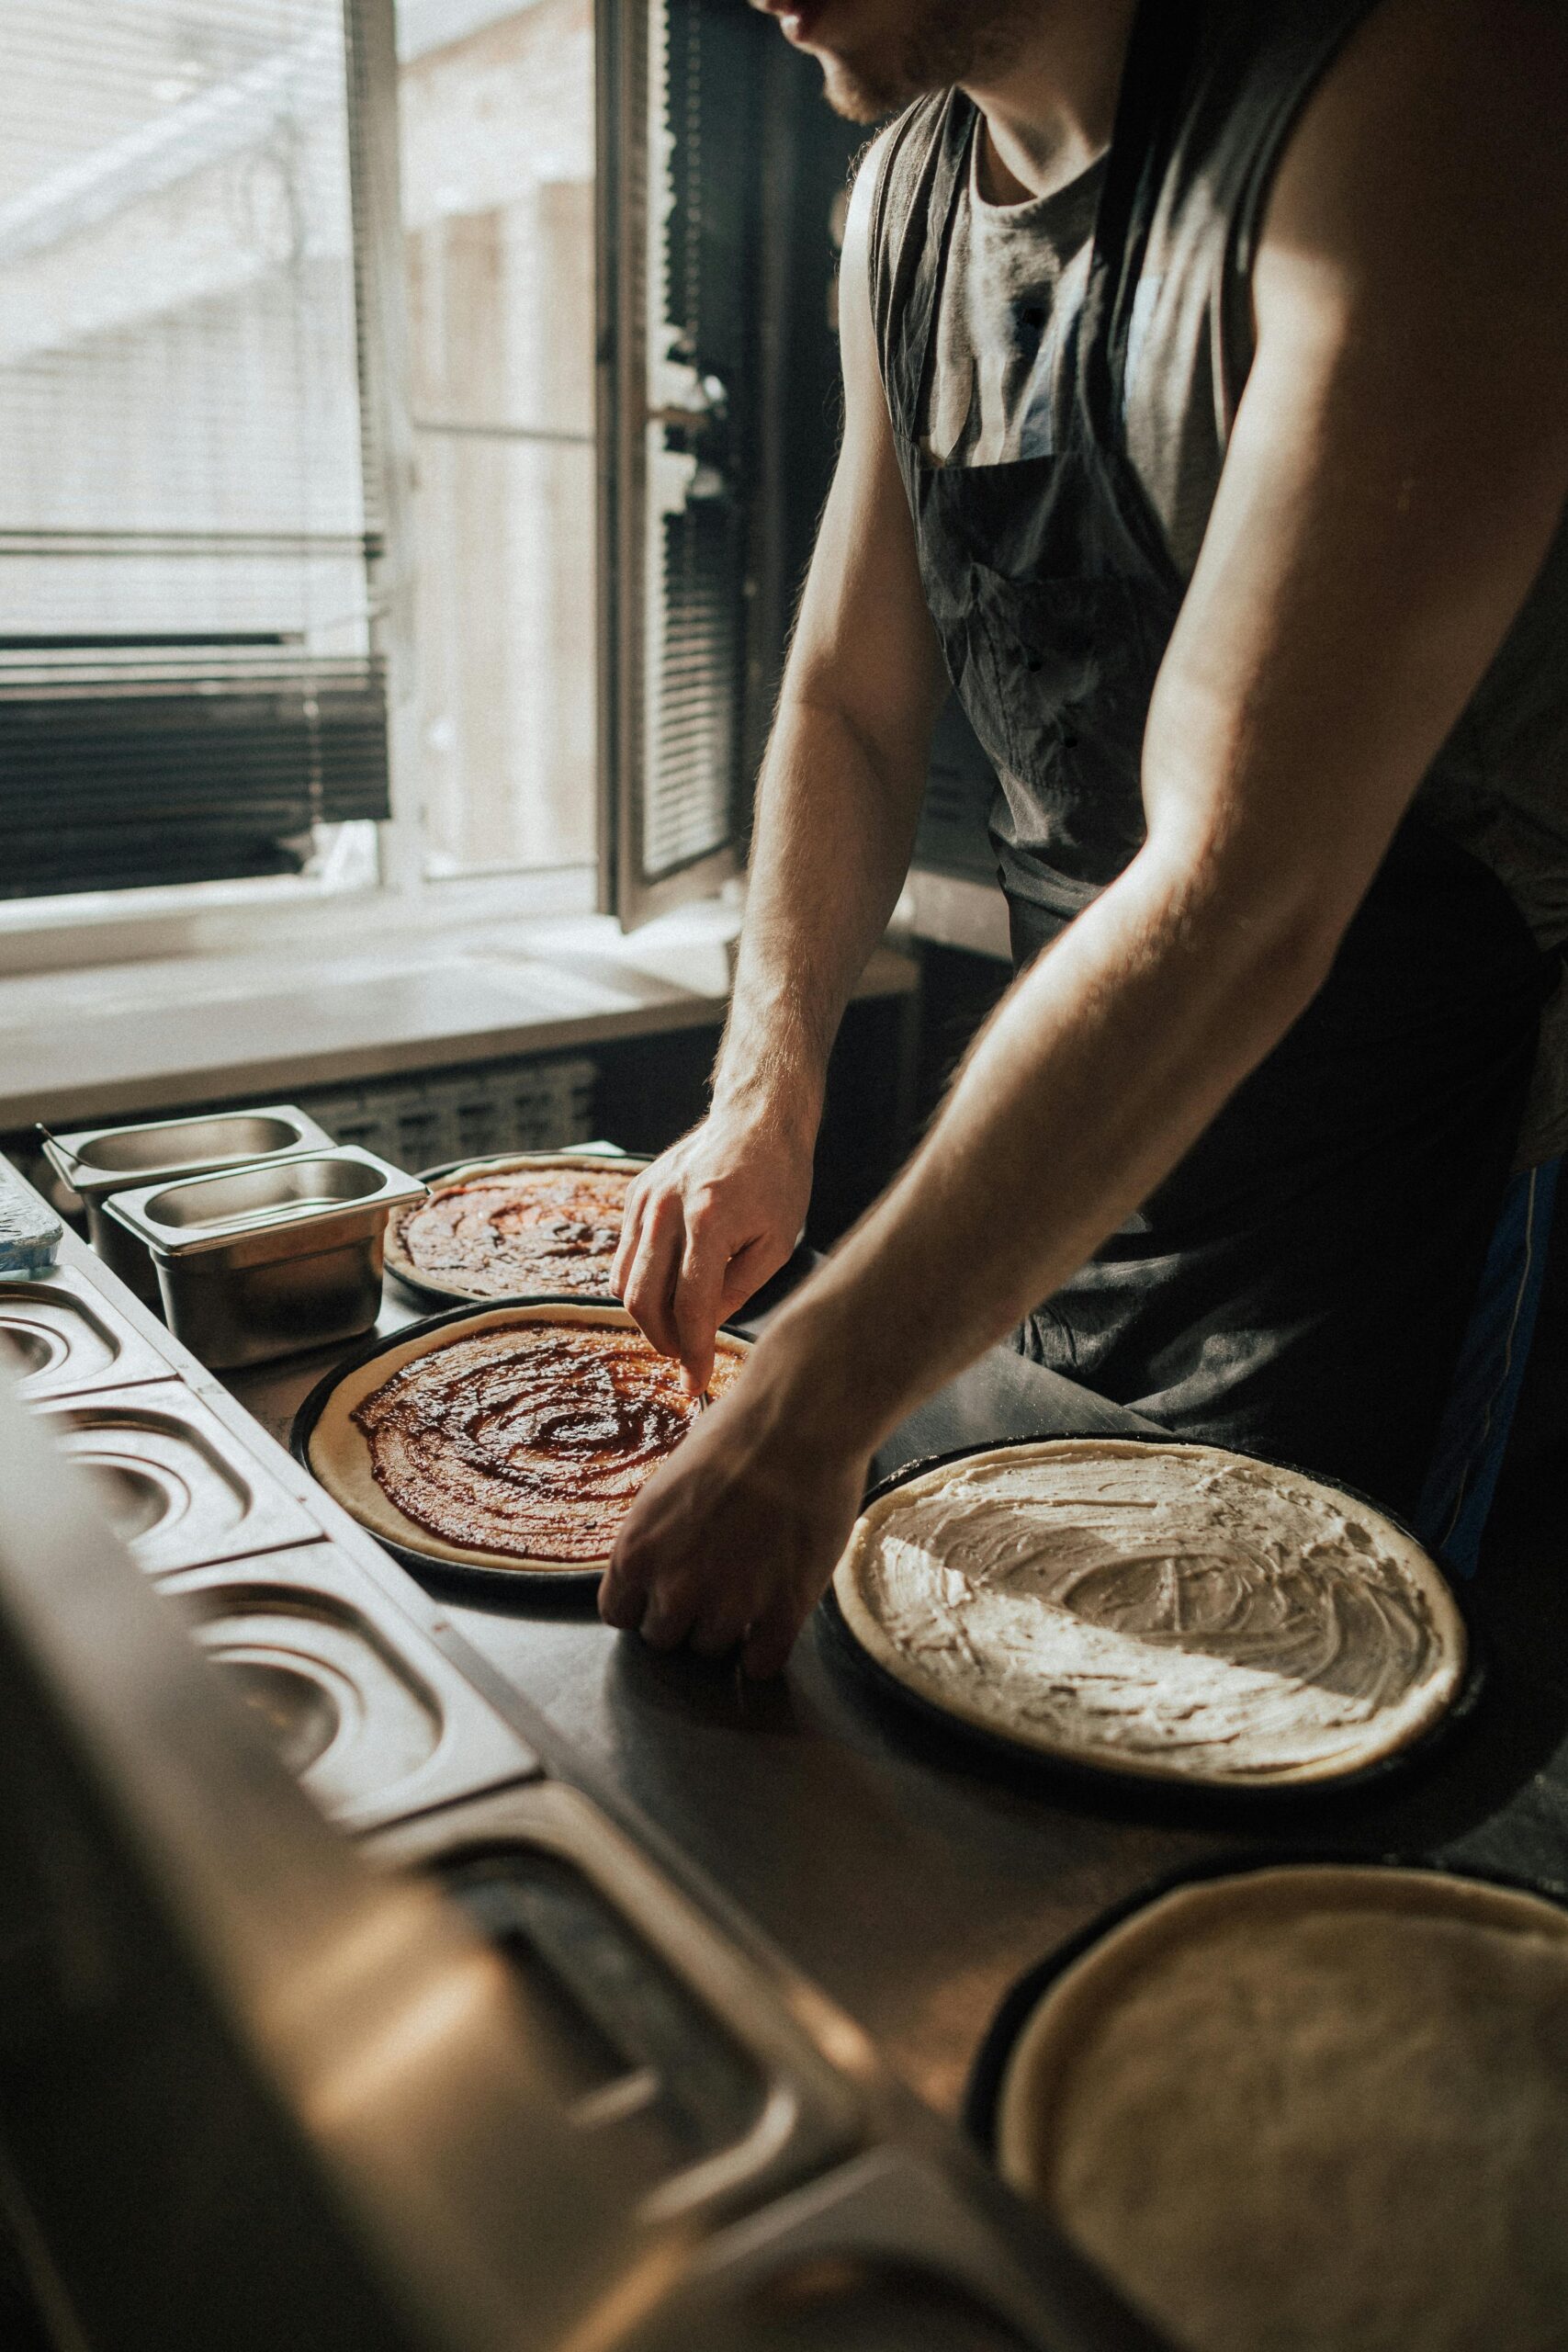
x=944 y=1734
x=987 y=2073
x=324 y=1416
x=438 y=1294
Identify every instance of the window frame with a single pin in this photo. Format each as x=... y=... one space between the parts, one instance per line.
x=105 y=926
x=623 y=415
x=45 y=933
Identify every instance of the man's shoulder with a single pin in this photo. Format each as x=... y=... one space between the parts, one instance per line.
x=1434 y=146
x=892 y=167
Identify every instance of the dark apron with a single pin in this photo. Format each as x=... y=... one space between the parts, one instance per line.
x=1299 y=1287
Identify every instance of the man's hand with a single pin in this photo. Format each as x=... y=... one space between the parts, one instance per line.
x=706 y=1224
x=733 y=1543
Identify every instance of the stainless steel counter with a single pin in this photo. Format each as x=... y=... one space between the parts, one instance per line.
x=910 y=1877
x=730 y=2129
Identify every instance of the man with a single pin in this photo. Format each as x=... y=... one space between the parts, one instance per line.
x=1222 y=465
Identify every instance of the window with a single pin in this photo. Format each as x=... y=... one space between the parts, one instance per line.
x=497 y=107
x=574 y=178
x=189 y=684
x=680 y=227
x=378 y=390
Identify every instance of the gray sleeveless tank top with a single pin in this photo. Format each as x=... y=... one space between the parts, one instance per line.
x=1001 y=368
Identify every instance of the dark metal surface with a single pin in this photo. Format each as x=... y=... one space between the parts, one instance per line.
x=910 y=1877
x=152 y=2185
x=254 y=2092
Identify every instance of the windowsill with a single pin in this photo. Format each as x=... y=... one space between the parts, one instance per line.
x=236 y=918
x=118 y=1040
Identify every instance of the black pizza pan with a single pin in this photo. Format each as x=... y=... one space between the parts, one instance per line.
x=947 y=1737
x=568 y=1585
x=987 y=2073
x=441 y=1294
x=778 y=1287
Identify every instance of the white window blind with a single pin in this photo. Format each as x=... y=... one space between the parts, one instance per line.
x=189 y=681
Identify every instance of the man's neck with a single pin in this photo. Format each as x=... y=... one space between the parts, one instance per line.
x=1050 y=110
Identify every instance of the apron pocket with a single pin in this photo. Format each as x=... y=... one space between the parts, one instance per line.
x=1069 y=674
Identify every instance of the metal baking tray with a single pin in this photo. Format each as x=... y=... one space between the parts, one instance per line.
x=982 y=2096
x=431 y=1293
x=63 y=1337
x=260 y=1261
x=349 y=1382
x=988 y=2074
x=366 y=1712
x=98 y=1162
x=949 y=1738
x=655 y=2029
x=177 y=1487
x=895 y=2252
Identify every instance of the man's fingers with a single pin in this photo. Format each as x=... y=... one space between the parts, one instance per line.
x=631 y=1234
x=698 y=1307
x=770 y=1642
x=722 y=1625
x=670 y=1614
x=625 y=1252
x=649 y=1292
x=623 y=1591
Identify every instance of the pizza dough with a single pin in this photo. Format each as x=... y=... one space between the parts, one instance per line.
x=1169 y=1611
x=1313 y=2110
x=548 y=1226
x=517 y=1438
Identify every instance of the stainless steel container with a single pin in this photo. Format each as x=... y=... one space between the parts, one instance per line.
x=258 y=1262
x=98 y=1162
x=176 y=1485
x=662 y=2036
x=361 y=1706
x=61 y=1337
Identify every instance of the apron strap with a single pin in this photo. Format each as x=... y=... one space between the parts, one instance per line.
x=1159 y=59
x=914 y=200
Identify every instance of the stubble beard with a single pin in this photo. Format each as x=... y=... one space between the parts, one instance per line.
x=950 y=42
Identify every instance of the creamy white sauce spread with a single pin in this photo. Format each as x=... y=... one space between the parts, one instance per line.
x=1176 y=1610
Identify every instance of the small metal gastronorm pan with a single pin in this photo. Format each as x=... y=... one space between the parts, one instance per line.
x=174 y=1485
x=98 y=1162
x=362 y=1708
x=260 y=1261
x=61 y=1337
x=651 y=2027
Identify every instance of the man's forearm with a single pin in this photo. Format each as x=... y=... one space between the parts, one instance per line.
x=1100 y=1069
x=835 y=828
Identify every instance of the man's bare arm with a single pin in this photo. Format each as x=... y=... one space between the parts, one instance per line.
x=838 y=803
x=1398 y=469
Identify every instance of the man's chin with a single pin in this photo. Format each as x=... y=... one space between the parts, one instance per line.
x=855 y=96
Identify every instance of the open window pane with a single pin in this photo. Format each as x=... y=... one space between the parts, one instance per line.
x=680 y=143
x=497 y=171
x=189 y=681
